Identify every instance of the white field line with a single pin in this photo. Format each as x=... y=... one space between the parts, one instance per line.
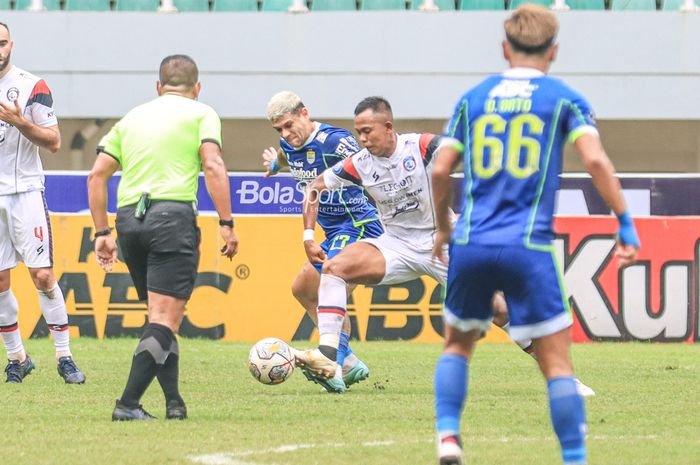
x=233 y=458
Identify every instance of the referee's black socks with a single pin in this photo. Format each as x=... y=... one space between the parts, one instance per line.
x=156 y=355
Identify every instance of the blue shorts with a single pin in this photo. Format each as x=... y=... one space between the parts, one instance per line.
x=338 y=239
x=529 y=278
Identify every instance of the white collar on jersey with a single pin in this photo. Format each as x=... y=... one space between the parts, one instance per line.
x=317 y=126
x=522 y=72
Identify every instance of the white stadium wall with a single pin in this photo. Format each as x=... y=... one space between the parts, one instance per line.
x=631 y=65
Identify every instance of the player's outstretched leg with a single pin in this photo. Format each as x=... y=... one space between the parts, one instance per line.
x=53 y=307
x=19 y=364
x=320 y=369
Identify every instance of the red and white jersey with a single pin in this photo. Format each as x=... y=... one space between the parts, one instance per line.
x=400 y=184
x=20 y=165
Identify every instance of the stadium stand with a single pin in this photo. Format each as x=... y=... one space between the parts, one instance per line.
x=49 y=5
x=276 y=5
x=235 y=5
x=586 y=4
x=87 y=5
x=482 y=5
x=368 y=5
x=333 y=5
x=192 y=5
x=516 y=3
x=5 y=5
x=137 y=5
x=442 y=5
x=640 y=5
x=675 y=5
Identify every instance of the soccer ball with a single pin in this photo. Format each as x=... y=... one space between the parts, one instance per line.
x=271 y=361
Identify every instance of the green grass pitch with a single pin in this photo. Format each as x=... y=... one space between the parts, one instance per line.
x=645 y=411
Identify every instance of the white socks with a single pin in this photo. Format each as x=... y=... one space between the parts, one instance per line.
x=11 y=336
x=332 y=299
x=53 y=307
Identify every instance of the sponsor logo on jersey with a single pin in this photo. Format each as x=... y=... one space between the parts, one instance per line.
x=396 y=186
x=301 y=173
x=513 y=88
x=310 y=156
x=321 y=137
x=12 y=94
x=344 y=151
x=409 y=164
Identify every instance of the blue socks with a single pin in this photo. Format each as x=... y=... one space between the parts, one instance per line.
x=451 y=380
x=343 y=348
x=568 y=418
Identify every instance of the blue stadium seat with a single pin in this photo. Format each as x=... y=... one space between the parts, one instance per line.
x=276 y=5
x=191 y=5
x=50 y=5
x=333 y=5
x=443 y=5
x=138 y=5
x=586 y=4
x=369 y=5
x=639 y=5
x=87 y=5
x=235 y=5
x=482 y=5
x=675 y=5
x=516 y=3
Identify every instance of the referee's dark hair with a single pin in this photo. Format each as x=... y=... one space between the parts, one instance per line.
x=178 y=71
x=376 y=104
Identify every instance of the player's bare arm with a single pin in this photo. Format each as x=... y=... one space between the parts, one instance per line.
x=602 y=173
x=273 y=161
x=442 y=168
x=48 y=138
x=310 y=214
x=105 y=245
x=217 y=182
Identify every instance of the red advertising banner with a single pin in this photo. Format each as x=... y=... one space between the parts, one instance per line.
x=653 y=300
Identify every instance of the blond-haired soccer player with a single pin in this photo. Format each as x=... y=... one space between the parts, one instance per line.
x=510 y=131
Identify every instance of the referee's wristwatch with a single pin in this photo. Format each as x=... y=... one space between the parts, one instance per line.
x=228 y=223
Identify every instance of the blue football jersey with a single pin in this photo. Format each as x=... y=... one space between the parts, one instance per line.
x=513 y=128
x=338 y=210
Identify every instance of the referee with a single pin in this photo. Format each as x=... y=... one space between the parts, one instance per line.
x=160 y=147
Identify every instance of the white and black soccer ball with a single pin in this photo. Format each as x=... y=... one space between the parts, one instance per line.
x=271 y=361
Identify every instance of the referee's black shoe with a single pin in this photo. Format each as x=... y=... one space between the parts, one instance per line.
x=123 y=412
x=175 y=410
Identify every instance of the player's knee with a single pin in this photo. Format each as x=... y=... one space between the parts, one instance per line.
x=43 y=278
x=334 y=268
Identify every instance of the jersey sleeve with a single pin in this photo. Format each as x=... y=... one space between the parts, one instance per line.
x=428 y=144
x=111 y=143
x=455 y=131
x=210 y=127
x=40 y=105
x=580 y=119
x=343 y=173
x=339 y=146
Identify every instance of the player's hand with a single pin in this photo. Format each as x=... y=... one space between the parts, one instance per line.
x=314 y=252
x=442 y=238
x=11 y=114
x=230 y=247
x=269 y=155
x=627 y=241
x=106 y=252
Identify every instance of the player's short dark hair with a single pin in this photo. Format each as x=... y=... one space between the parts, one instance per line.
x=376 y=104
x=5 y=26
x=178 y=71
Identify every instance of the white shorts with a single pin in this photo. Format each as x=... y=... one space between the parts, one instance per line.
x=404 y=263
x=25 y=231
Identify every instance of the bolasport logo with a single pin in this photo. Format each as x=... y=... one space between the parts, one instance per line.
x=280 y=196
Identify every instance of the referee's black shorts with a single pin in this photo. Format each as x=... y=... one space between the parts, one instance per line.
x=162 y=250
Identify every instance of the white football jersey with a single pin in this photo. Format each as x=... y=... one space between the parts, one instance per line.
x=20 y=165
x=400 y=184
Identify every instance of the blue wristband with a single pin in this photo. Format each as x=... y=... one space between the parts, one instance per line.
x=273 y=166
x=627 y=232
